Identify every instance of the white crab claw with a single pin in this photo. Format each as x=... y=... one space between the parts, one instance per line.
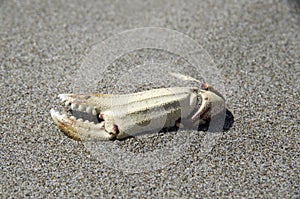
x=121 y=116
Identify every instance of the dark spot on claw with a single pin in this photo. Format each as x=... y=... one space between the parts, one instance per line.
x=204 y=86
x=87 y=97
x=100 y=118
x=116 y=128
x=177 y=122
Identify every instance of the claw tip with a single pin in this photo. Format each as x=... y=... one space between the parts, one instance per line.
x=53 y=114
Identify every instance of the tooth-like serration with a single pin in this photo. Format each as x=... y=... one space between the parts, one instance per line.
x=80 y=120
x=74 y=106
x=73 y=118
x=81 y=108
x=94 y=112
x=89 y=109
x=62 y=96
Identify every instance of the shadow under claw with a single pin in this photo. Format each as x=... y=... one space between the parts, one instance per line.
x=229 y=120
x=216 y=127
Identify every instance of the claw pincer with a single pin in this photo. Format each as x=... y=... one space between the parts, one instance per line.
x=121 y=116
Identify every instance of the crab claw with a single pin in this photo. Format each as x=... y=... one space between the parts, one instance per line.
x=79 y=129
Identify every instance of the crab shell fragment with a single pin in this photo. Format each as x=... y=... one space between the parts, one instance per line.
x=122 y=116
